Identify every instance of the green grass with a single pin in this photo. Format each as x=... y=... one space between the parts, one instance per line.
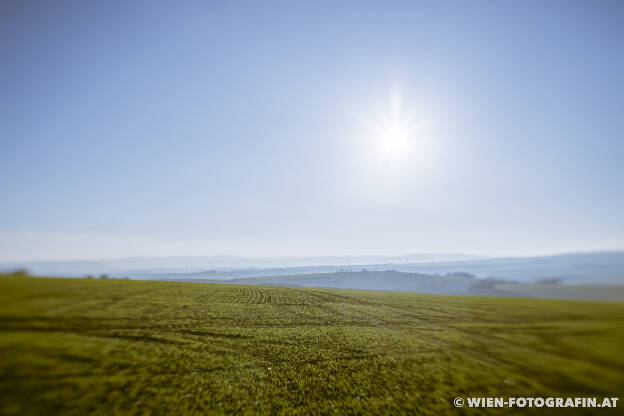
x=77 y=346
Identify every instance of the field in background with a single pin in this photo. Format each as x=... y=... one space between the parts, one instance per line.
x=586 y=292
x=78 y=346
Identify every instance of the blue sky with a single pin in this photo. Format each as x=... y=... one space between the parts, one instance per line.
x=258 y=128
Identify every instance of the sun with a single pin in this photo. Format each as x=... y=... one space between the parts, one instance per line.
x=393 y=142
x=394 y=136
x=394 y=146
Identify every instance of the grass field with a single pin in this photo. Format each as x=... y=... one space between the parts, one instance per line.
x=78 y=346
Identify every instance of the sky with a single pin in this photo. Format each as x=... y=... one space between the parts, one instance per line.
x=152 y=128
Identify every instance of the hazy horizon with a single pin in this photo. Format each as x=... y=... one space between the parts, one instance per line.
x=406 y=257
x=18 y=247
x=274 y=129
x=236 y=256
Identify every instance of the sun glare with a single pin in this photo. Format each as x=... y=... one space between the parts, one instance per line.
x=394 y=142
x=394 y=135
x=394 y=145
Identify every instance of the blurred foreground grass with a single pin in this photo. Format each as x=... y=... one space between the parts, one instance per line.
x=77 y=346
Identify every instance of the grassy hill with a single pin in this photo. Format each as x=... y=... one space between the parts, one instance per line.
x=78 y=346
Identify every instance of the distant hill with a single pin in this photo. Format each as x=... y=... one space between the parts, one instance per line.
x=573 y=268
x=605 y=268
x=227 y=266
x=199 y=263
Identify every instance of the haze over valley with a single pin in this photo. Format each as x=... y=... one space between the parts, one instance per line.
x=426 y=273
